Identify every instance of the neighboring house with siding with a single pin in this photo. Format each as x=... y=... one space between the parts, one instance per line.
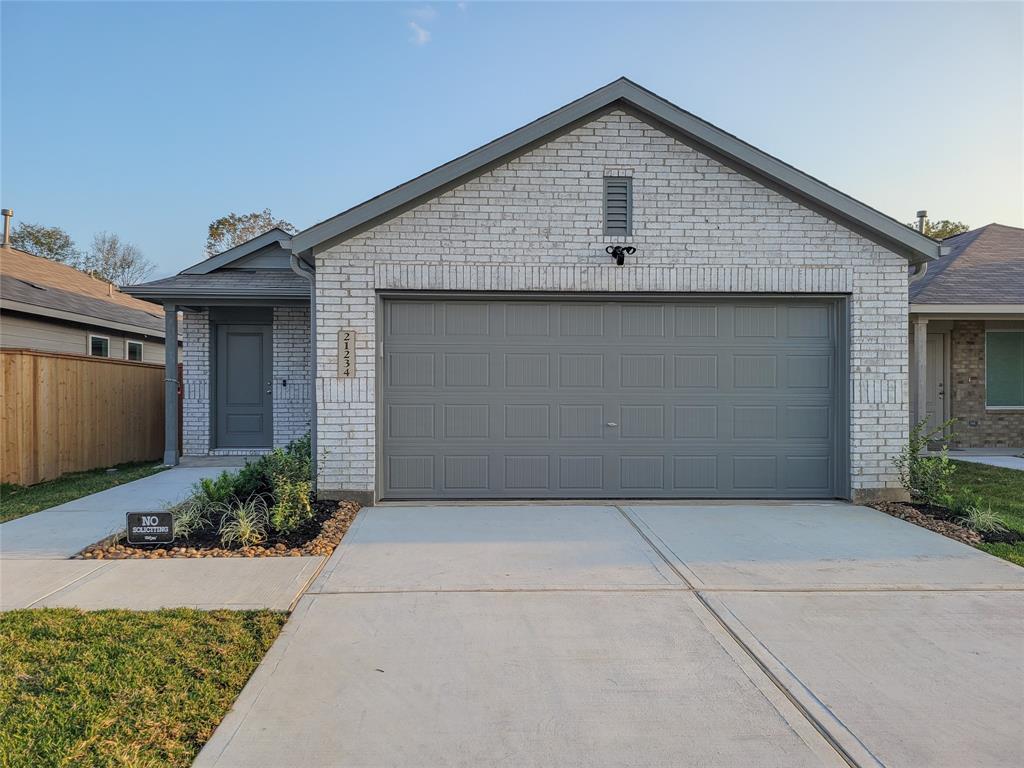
x=967 y=335
x=52 y=307
x=469 y=335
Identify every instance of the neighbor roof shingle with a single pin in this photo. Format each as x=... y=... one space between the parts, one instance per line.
x=986 y=266
x=51 y=285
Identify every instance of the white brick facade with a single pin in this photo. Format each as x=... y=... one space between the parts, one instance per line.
x=535 y=223
x=292 y=407
x=290 y=364
x=195 y=364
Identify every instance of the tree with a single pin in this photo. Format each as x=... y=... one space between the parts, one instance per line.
x=940 y=230
x=51 y=243
x=235 y=229
x=116 y=261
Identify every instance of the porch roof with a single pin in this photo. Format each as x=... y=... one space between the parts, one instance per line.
x=233 y=286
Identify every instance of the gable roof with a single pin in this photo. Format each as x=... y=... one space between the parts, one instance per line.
x=33 y=284
x=271 y=240
x=622 y=93
x=983 y=266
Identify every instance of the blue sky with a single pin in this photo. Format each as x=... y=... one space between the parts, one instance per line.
x=151 y=119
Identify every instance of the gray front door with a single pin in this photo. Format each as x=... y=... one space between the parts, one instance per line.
x=244 y=410
x=559 y=398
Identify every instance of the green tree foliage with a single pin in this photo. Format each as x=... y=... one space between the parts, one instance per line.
x=940 y=230
x=51 y=243
x=235 y=229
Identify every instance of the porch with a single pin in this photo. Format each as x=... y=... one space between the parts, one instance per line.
x=247 y=353
x=969 y=366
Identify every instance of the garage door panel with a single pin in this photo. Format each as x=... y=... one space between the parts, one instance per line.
x=566 y=399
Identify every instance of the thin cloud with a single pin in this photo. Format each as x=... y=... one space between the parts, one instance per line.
x=420 y=36
x=425 y=13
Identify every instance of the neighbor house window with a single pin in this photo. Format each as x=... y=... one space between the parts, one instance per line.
x=1004 y=369
x=99 y=346
x=133 y=351
x=618 y=206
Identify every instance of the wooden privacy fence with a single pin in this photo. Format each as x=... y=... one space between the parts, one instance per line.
x=67 y=413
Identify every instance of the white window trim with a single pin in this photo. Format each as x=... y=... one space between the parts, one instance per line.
x=142 y=350
x=985 y=368
x=88 y=346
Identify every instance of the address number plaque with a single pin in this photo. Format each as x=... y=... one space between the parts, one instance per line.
x=346 y=353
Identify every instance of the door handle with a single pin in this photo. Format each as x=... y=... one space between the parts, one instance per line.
x=612 y=424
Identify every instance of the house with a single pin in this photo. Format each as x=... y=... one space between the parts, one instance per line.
x=474 y=333
x=967 y=336
x=52 y=307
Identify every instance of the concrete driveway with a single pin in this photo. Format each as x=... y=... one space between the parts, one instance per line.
x=641 y=635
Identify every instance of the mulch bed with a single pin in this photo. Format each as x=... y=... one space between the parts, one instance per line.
x=938 y=520
x=319 y=536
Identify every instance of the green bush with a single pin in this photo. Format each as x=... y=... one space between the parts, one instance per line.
x=244 y=523
x=292 y=506
x=927 y=478
x=191 y=516
x=981 y=518
x=218 y=490
x=269 y=493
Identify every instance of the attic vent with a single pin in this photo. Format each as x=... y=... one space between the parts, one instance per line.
x=618 y=205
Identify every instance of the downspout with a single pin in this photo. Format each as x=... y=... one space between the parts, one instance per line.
x=302 y=269
x=920 y=270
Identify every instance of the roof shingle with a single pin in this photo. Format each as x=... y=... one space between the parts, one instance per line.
x=985 y=266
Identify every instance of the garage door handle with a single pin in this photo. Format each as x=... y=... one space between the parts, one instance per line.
x=612 y=424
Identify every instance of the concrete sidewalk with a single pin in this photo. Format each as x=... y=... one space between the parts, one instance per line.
x=994 y=460
x=728 y=635
x=64 y=530
x=274 y=583
x=35 y=571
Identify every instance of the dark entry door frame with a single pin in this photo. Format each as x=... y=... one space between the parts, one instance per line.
x=241 y=380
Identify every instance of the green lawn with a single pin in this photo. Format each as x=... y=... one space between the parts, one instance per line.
x=1004 y=490
x=21 y=500
x=122 y=688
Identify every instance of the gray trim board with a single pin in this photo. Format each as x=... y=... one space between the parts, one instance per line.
x=621 y=93
x=170 y=386
x=274 y=236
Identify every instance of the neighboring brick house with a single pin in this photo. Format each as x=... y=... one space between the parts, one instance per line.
x=969 y=310
x=476 y=335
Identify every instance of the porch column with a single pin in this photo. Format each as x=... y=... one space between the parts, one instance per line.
x=170 y=384
x=920 y=368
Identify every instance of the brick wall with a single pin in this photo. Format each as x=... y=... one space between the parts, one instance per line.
x=290 y=363
x=977 y=427
x=535 y=223
x=195 y=357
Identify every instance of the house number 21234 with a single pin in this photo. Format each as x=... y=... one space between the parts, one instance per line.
x=346 y=353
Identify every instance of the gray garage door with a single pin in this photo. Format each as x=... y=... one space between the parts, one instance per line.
x=610 y=399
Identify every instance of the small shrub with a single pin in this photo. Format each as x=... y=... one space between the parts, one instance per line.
x=191 y=516
x=291 y=507
x=253 y=480
x=926 y=478
x=218 y=490
x=981 y=518
x=244 y=523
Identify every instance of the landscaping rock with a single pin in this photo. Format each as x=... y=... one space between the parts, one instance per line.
x=332 y=522
x=913 y=514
